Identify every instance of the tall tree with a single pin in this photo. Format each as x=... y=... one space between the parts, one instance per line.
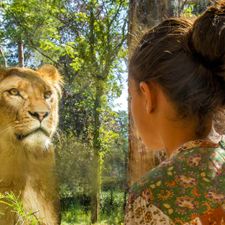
x=25 y=25
x=20 y=53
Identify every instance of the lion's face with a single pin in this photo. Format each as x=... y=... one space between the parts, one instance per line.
x=29 y=105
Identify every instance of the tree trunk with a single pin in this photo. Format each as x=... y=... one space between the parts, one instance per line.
x=95 y=186
x=3 y=57
x=126 y=188
x=143 y=15
x=20 y=54
x=96 y=182
x=111 y=197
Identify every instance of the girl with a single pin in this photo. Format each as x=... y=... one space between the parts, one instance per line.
x=177 y=86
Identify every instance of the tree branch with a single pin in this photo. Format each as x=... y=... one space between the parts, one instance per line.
x=181 y=8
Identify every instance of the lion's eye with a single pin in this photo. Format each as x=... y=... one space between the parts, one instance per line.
x=47 y=94
x=14 y=92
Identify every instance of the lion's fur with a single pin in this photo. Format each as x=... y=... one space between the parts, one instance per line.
x=27 y=165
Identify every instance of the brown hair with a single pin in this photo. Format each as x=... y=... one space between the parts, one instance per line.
x=187 y=60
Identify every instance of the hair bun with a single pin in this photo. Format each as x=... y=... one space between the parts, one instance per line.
x=207 y=36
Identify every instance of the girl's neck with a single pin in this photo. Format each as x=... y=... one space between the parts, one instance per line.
x=175 y=134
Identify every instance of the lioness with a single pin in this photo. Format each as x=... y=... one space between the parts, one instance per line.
x=28 y=120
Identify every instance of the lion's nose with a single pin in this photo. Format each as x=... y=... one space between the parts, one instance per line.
x=38 y=115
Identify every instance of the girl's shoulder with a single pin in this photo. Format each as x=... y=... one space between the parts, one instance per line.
x=191 y=182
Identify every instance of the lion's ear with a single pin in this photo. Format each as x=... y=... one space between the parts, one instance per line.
x=50 y=73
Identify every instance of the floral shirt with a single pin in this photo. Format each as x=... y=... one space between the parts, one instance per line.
x=188 y=188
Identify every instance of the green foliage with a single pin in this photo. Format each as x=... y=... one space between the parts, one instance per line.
x=191 y=9
x=15 y=205
x=31 y=22
x=74 y=166
x=188 y=10
x=75 y=160
x=111 y=214
x=75 y=215
x=75 y=173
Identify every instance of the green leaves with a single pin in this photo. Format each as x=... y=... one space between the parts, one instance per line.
x=77 y=64
x=16 y=206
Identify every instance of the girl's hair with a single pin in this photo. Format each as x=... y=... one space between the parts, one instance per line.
x=187 y=60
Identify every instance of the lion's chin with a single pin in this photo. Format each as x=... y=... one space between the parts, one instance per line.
x=37 y=140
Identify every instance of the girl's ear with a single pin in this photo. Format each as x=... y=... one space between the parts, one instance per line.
x=50 y=73
x=149 y=97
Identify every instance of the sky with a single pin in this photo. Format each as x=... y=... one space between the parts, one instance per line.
x=121 y=103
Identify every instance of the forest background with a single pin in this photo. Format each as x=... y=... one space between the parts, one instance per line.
x=88 y=41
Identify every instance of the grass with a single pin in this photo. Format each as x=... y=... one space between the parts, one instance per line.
x=75 y=214
x=110 y=214
x=23 y=217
